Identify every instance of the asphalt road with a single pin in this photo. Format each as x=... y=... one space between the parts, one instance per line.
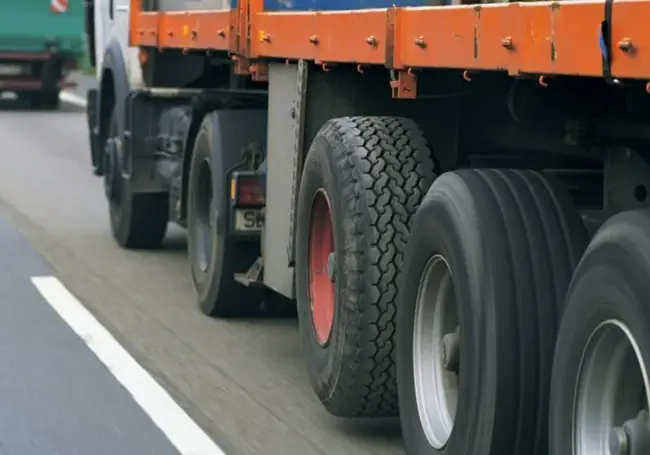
x=57 y=398
x=83 y=82
x=243 y=382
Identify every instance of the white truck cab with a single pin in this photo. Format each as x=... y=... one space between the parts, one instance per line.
x=117 y=69
x=111 y=24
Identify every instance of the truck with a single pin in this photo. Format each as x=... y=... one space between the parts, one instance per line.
x=41 y=42
x=452 y=196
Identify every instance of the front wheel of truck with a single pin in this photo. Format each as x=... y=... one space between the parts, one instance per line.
x=138 y=220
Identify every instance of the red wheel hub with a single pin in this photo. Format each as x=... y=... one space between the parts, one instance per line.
x=321 y=284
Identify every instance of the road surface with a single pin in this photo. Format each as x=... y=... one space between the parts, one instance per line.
x=56 y=397
x=243 y=382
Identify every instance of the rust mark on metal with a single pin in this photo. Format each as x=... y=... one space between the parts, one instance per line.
x=554 y=9
x=477 y=29
x=389 y=55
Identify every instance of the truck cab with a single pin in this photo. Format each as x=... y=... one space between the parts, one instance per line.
x=116 y=65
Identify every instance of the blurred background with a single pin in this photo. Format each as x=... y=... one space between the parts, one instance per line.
x=42 y=44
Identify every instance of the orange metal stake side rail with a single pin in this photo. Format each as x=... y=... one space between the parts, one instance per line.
x=520 y=38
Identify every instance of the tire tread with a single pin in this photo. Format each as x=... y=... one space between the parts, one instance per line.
x=544 y=257
x=390 y=168
x=513 y=239
x=149 y=219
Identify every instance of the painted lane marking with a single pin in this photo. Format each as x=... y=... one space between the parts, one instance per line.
x=166 y=414
x=71 y=98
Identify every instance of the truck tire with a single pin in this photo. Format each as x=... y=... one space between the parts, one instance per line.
x=488 y=262
x=138 y=220
x=363 y=179
x=603 y=346
x=214 y=256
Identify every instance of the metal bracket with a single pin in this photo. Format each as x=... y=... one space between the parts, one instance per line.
x=298 y=114
x=253 y=277
x=258 y=71
x=404 y=85
x=242 y=65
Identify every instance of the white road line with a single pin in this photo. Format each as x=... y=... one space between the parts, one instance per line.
x=177 y=426
x=73 y=99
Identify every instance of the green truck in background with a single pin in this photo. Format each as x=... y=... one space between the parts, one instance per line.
x=41 y=41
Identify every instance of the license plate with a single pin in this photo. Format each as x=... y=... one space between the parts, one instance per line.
x=10 y=70
x=249 y=220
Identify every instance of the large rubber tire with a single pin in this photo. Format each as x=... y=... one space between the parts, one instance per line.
x=610 y=288
x=138 y=220
x=510 y=240
x=214 y=256
x=374 y=171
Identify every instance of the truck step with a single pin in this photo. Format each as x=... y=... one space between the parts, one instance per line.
x=253 y=277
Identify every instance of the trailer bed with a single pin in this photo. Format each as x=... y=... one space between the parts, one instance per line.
x=538 y=38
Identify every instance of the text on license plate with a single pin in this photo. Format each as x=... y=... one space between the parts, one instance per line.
x=247 y=220
x=10 y=70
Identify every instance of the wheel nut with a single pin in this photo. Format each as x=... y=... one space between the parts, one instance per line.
x=451 y=351
x=636 y=433
x=618 y=443
x=331 y=267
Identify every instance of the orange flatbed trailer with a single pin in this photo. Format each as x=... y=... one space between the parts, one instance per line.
x=538 y=38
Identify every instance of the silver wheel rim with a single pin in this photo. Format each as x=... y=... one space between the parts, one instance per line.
x=436 y=387
x=612 y=388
